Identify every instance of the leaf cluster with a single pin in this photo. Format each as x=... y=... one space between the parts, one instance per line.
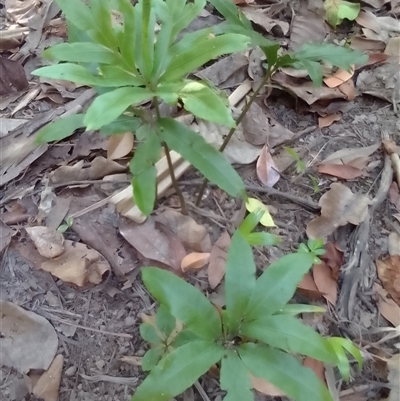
x=256 y=333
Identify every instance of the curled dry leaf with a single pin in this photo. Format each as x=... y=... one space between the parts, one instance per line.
x=48 y=241
x=78 y=265
x=12 y=77
x=195 y=261
x=386 y=306
x=192 y=235
x=216 y=267
x=266 y=169
x=119 y=145
x=328 y=120
x=339 y=206
x=28 y=341
x=261 y=18
x=389 y=273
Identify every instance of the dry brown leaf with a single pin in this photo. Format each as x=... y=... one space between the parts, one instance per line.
x=386 y=306
x=28 y=341
x=343 y=171
x=376 y=3
x=152 y=243
x=48 y=241
x=131 y=360
x=348 y=89
x=362 y=44
x=333 y=258
x=348 y=155
x=219 y=252
x=308 y=288
x=192 y=235
x=338 y=78
x=325 y=282
x=78 y=264
x=316 y=366
x=267 y=172
x=265 y=387
x=259 y=17
x=12 y=77
x=119 y=145
x=47 y=387
x=195 y=261
x=394 y=244
x=393 y=48
x=328 y=120
x=394 y=195
x=393 y=365
x=339 y=206
x=5 y=236
x=368 y=20
x=389 y=273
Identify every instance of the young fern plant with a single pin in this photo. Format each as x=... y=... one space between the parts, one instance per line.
x=113 y=48
x=256 y=333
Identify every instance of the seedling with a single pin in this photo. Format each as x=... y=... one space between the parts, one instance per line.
x=256 y=332
x=300 y=166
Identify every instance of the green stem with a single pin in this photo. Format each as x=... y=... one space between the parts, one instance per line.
x=246 y=108
x=170 y=165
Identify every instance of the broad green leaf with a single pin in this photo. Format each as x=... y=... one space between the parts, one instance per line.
x=250 y=222
x=147 y=37
x=104 y=32
x=81 y=53
x=182 y=17
x=119 y=76
x=148 y=152
x=106 y=108
x=122 y=124
x=291 y=335
x=78 y=13
x=149 y=333
x=297 y=309
x=137 y=44
x=76 y=35
x=145 y=189
x=129 y=37
x=203 y=102
x=262 y=239
x=283 y=371
x=178 y=370
x=209 y=49
x=234 y=378
x=183 y=337
x=184 y=301
x=168 y=92
x=240 y=280
x=165 y=321
x=151 y=358
x=211 y=163
x=231 y=13
x=276 y=286
x=338 y=10
x=313 y=68
x=271 y=53
x=189 y=40
x=60 y=129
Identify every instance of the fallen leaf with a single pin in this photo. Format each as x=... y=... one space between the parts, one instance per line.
x=265 y=387
x=254 y=204
x=376 y=3
x=394 y=195
x=393 y=365
x=338 y=78
x=193 y=235
x=394 y=244
x=338 y=10
x=47 y=387
x=12 y=77
x=194 y=261
x=216 y=267
x=368 y=20
x=325 y=282
x=339 y=206
x=261 y=127
x=343 y=171
x=78 y=264
x=58 y=212
x=362 y=44
x=348 y=89
x=316 y=366
x=119 y=145
x=5 y=236
x=386 y=306
x=333 y=257
x=267 y=172
x=150 y=242
x=328 y=120
x=348 y=155
x=28 y=341
x=389 y=273
x=308 y=288
x=393 y=48
x=260 y=17
x=48 y=241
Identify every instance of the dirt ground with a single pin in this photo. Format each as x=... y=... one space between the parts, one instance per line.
x=98 y=326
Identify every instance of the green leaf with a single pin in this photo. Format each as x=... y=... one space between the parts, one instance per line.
x=313 y=68
x=234 y=378
x=182 y=17
x=81 y=53
x=178 y=370
x=149 y=333
x=119 y=76
x=106 y=108
x=211 y=163
x=183 y=337
x=203 y=102
x=76 y=35
x=79 y=13
x=145 y=189
x=297 y=309
x=147 y=37
x=129 y=36
x=250 y=222
x=60 y=129
x=240 y=280
x=210 y=48
x=184 y=301
x=104 y=32
x=262 y=239
x=276 y=286
x=148 y=152
x=151 y=358
x=283 y=371
x=338 y=10
x=289 y=334
x=231 y=13
x=122 y=124
x=165 y=321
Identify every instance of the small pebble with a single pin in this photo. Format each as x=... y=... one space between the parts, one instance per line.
x=140 y=352
x=129 y=321
x=70 y=371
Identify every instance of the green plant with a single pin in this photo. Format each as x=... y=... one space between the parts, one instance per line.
x=255 y=333
x=300 y=166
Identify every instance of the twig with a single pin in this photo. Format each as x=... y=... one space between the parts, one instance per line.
x=201 y=391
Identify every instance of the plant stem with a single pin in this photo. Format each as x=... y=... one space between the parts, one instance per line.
x=170 y=165
x=246 y=108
